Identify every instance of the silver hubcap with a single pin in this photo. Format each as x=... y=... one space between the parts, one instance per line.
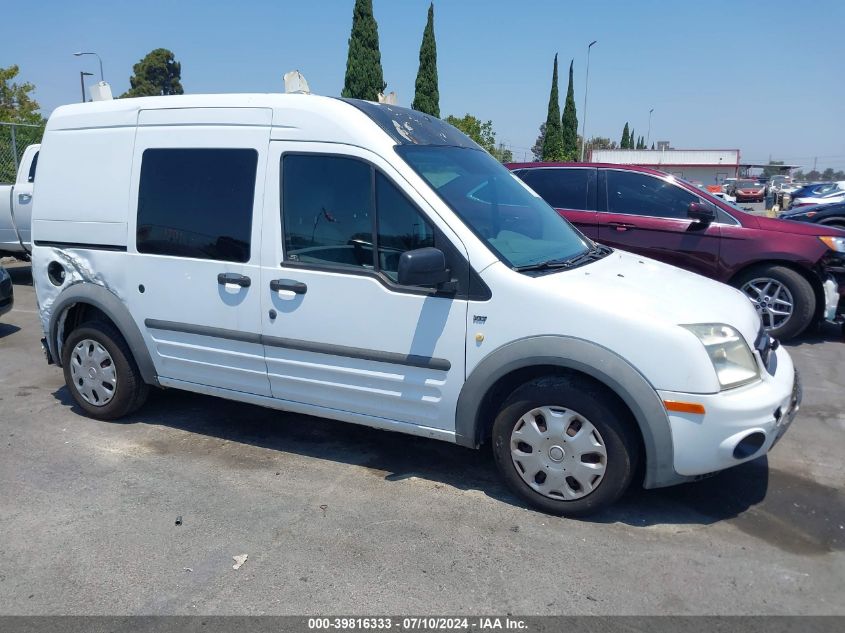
x=772 y=300
x=93 y=372
x=558 y=453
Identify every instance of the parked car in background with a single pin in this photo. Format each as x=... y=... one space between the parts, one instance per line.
x=793 y=273
x=7 y=293
x=16 y=207
x=826 y=194
x=828 y=214
x=750 y=191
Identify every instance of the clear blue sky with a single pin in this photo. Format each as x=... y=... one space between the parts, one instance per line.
x=763 y=77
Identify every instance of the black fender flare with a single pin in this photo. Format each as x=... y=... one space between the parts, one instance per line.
x=111 y=305
x=586 y=357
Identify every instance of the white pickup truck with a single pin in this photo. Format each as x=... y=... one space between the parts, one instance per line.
x=16 y=208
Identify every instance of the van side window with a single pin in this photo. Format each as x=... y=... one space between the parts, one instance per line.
x=400 y=227
x=329 y=204
x=638 y=194
x=197 y=203
x=561 y=188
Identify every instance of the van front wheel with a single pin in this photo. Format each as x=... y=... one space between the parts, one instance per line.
x=565 y=445
x=100 y=372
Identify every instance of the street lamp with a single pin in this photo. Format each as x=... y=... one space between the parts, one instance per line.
x=586 y=87
x=98 y=57
x=82 y=76
x=648 y=136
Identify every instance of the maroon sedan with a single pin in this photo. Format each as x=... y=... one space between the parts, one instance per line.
x=750 y=191
x=793 y=272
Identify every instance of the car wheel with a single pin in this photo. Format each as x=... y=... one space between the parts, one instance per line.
x=100 y=372
x=565 y=445
x=784 y=299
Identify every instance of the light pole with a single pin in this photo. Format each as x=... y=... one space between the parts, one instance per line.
x=77 y=54
x=648 y=136
x=82 y=76
x=586 y=87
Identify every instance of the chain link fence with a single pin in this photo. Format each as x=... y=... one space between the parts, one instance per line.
x=14 y=139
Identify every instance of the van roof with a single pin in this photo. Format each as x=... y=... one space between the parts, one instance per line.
x=295 y=116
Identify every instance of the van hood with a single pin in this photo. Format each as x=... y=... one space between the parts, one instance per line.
x=641 y=288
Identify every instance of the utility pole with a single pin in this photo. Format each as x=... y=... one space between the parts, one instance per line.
x=82 y=75
x=648 y=135
x=586 y=88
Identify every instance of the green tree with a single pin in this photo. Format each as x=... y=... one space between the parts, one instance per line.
x=771 y=170
x=652 y=145
x=553 y=141
x=427 y=93
x=156 y=74
x=483 y=134
x=631 y=141
x=537 y=149
x=16 y=106
x=827 y=174
x=626 y=137
x=569 y=123
x=364 y=77
x=16 y=102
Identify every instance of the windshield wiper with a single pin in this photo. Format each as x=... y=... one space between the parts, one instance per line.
x=570 y=262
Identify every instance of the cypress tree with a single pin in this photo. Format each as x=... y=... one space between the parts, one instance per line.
x=652 y=145
x=569 y=123
x=427 y=93
x=553 y=141
x=631 y=142
x=626 y=136
x=364 y=76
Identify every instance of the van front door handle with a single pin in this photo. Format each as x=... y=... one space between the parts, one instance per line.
x=621 y=226
x=297 y=287
x=234 y=278
x=23 y=198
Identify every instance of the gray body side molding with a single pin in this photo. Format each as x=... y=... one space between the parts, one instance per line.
x=591 y=359
x=116 y=310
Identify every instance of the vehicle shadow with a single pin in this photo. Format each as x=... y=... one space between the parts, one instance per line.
x=760 y=500
x=6 y=329
x=824 y=333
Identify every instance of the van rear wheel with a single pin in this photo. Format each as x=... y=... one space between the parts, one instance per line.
x=565 y=445
x=100 y=372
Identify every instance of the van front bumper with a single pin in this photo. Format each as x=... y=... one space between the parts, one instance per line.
x=738 y=424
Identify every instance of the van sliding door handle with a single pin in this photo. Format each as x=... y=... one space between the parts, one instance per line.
x=290 y=285
x=234 y=278
x=621 y=226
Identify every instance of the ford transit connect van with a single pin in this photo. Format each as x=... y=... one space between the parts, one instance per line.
x=372 y=264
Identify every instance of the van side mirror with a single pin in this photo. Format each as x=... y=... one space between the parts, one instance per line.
x=423 y=267
x=701 y=212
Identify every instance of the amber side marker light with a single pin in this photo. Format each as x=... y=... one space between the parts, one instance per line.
x=684 y=407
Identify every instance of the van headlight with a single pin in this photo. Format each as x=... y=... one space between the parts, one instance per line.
x=731 y=357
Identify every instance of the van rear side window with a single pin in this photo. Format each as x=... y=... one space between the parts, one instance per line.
x=197 y=203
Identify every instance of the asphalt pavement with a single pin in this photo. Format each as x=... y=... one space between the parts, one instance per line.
x=144 y=516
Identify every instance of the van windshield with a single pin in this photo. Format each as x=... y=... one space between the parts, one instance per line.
x=515 y=223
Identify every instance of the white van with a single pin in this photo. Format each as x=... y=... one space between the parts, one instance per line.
x=372 y=264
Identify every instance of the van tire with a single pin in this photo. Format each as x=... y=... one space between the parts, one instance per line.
x=803 y=297
x=130 y=390
x=586 y=400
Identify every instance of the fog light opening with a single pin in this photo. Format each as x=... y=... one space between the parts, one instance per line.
x=56 y=273
x=749 y=445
